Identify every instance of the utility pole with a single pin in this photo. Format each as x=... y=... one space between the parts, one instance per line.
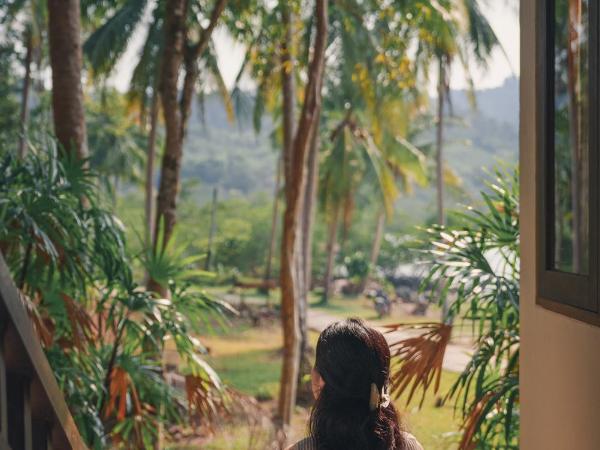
x=213 y=229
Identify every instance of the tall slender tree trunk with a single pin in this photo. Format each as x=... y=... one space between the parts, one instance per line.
x=439 y=144
x=176 y=110
x=169 y=78
x=150 y=157
x=213 y=229
x=307 y=225
x=166 y=201
x=331 y=254
x=288 y=260
x=64 y=33
x=25 y=95
x=288 y=83
x=273 y=242
x=439 y=160
x=309 y=212
x=294 y=187
x=376 y=246
x=302 y=290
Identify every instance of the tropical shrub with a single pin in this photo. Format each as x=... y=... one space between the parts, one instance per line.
x=103 y=333
x=476 y=267
x=358 y=267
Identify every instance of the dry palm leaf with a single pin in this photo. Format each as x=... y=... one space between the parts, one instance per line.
x=120 y=385
x=417 y=361
x=204 y=398
x=471 y=423
x=83 y=328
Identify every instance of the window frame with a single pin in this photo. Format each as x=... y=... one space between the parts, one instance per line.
x=573 y=295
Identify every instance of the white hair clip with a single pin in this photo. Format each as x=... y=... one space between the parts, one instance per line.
x=379 y=399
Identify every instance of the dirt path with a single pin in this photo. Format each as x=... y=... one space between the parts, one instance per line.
x=457 y=354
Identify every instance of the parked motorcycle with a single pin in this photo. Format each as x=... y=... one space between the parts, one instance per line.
x=381 y=302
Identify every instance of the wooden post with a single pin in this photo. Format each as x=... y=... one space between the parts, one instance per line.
x=27 y=423
x=213 y=229
x=3 y=397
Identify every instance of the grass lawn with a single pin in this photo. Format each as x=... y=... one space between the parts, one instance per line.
x=249 y=360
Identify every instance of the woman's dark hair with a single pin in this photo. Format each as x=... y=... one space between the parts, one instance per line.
x=350 y=357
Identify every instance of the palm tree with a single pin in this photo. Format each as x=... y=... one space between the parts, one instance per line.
x=115 y=140
x=64 y=33
x=155 y=76
x=445 y=32
x=295 y=174
x=410 y=170
x=103 y=48
x=356 y=157
x=368 y=99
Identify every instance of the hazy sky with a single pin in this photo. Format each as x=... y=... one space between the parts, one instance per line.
x=504 y=19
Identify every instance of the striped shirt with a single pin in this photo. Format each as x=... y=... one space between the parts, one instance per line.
x=410 y=443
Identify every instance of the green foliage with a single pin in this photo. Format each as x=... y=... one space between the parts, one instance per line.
x=476 y=266
x=116 y=142
x=241 y=242
x=399 y=249
x=9 y=105
x=104 y=334
x=358 y=266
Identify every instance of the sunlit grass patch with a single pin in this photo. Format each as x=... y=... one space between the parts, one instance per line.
x=249 y=361
x=435 y=427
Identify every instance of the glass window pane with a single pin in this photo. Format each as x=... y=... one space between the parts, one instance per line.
x=571 y=149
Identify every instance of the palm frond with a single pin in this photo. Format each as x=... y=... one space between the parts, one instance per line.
x=105 y=45
x=417 y=361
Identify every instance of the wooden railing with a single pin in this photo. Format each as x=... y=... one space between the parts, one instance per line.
x=33 y=412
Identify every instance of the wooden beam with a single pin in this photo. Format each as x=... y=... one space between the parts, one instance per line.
x=65 y=432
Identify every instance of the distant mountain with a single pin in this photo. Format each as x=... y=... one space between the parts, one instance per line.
x=226 y=154
x=240 y=162
x=500 y=104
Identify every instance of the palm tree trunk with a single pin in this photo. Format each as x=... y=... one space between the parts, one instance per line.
x=151 y=155
x=273 y=241
x=308 y=219
x=375 y=247
x=25 y=96
x=331 y=252
x=176 y=111
x=294 y=187
x=64 y=33
x=213 y=228
x=287 y=273
x=439 y=157
x=169 y=77
x=307 y=224
x=288 y=91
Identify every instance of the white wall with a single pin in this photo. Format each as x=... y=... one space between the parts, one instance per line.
x=560 y=357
